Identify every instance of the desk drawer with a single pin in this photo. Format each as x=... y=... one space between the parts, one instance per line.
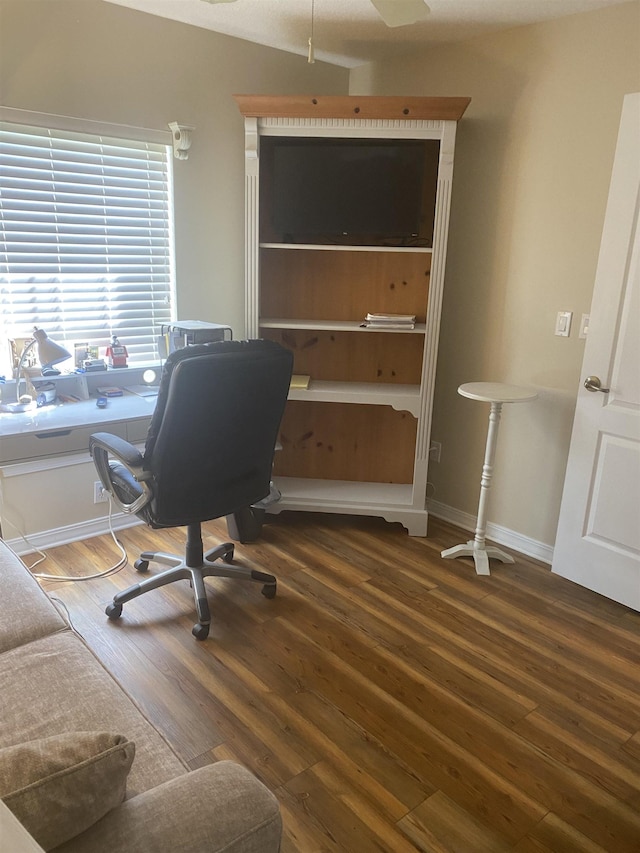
x=137 y=430
x=55 y=442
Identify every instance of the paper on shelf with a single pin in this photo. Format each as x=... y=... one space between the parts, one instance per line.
x=300 y=381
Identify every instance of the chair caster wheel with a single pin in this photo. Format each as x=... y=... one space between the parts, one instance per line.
x=113 y=611
x=141 y=565
x=227 y=557
x=200 y=631
x=269 y=590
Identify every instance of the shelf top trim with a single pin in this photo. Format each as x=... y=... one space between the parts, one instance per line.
x=352 y=106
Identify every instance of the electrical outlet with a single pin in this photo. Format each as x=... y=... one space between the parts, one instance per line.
x=434 y=451
x=99 y=494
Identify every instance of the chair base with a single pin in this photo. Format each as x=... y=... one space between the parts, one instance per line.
x=212 y=565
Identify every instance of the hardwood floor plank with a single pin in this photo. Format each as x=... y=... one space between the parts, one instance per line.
x=612 y=771
x=549 y=627
x=553 y=835
x=468 y=682
x=548 y=666
x=362 y=758
x=440 y=824
x=302 y=830
x=345 y=818
x=437 y=759
x=393 y=701
x=541 y=776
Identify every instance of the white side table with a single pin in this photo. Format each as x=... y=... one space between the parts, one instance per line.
x=495 y=393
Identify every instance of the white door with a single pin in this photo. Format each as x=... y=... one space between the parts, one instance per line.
x=598 y=542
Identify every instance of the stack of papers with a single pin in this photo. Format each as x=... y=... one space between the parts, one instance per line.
x=390 y=321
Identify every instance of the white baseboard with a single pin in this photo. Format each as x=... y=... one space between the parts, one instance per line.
x=71 y=533
x=495 y=532
x=96 y=527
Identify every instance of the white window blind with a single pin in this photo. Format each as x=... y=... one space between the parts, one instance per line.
x=86 y=238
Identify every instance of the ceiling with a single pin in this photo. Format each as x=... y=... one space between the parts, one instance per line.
x=350 y=32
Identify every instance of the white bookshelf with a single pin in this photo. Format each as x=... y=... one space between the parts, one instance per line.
x=356 y=440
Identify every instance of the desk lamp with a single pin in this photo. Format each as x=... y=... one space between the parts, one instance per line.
x=49 y=353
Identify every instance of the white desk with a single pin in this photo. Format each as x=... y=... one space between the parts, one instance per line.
x=495 y=393
x=65 y=427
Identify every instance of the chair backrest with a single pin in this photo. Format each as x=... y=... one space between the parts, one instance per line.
x=212 y=436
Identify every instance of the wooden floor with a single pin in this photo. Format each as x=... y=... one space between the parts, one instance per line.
x=392 y=701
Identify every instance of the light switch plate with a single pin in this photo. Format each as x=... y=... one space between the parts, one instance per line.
x=584 y=326
x=563 y=323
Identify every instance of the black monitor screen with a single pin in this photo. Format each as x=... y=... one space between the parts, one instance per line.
x=336 y=188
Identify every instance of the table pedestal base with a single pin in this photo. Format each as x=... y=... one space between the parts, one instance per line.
x=481 y=555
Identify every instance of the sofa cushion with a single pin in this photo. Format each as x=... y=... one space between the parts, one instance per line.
x=28 y=612
x=56 y=685
x=220 y=808
x=61 y=785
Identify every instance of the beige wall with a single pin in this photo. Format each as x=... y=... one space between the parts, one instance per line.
x=533 y=164
x=98 y=61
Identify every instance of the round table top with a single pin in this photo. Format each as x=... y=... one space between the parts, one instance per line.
x=496 y=392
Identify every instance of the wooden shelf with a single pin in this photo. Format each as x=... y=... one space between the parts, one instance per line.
x=400 y=397
x=333 y=247
x=319 y=493
x=336 y=326
x=391 y=502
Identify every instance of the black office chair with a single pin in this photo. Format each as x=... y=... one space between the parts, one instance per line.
x=208 y=454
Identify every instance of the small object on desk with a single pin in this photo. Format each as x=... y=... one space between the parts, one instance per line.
x=495 y=393
x=117 y=353
x=101 y=402
x=143 y=390
x=110 y=391
x=94 y=364
x=46 y=396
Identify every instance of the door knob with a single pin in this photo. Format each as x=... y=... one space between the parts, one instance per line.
x=592 y=383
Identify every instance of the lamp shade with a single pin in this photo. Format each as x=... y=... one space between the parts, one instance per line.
x=49 y=352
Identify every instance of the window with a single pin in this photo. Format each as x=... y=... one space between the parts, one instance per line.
x=86 y=238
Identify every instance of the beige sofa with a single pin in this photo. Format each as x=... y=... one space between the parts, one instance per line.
x=73 y=744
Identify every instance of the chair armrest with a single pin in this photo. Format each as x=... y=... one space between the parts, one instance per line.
x=220 y=807
x=102 y=446
x=118 y=447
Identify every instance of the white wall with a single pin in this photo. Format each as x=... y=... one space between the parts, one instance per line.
x=533 y=163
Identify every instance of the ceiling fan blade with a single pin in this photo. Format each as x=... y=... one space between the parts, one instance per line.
x=399 y=13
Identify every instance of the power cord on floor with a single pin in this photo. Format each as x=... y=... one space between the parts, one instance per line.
x=122 y=562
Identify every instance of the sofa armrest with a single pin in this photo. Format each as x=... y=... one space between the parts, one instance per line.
x=218 y=807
